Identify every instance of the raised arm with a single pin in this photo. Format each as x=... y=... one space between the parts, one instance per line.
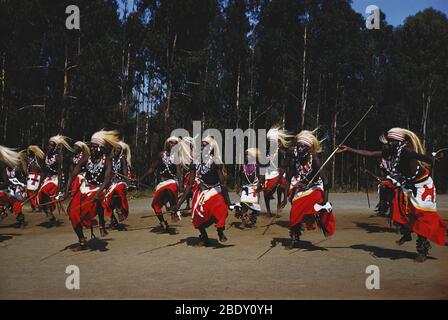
x=364 y=153
x=151 y=170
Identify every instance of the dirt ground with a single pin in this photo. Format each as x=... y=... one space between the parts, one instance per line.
x=140 y=264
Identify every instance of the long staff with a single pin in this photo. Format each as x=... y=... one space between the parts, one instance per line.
x=337 y=148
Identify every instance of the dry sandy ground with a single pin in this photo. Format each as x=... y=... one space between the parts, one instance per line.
x=141 y=264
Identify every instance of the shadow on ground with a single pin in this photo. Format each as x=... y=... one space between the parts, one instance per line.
x=8 y=236
x=393 y=254
x=49 y=225
x=214 y=243
x=302 y=245
x=190 y=241
x=159 y=230
x=119 y=227
x=374 y=228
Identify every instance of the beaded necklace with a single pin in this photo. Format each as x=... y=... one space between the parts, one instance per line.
x=30 y=161
x=95 y=169
x=77 y=158
x=167 y=162
x=391 y=163
x=204 y=168
x=50 y=160
x=303 y=170
x=116 y=163
x=249 y=170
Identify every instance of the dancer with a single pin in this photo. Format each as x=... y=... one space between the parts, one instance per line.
x=274 y=177
x=116 y=195
x=34 y=157
x=309 y=198
x=248 y=185
x=48 y=193
x=11 y=190
x=88 y=190
x=414 y=201
x=80 y=150
x=168 y=170
x=210 y=196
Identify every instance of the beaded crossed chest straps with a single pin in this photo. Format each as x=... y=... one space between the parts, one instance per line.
x=205 y=175
x=167 y=169
x=32 y=164
x=77 y=158
x=116 y=163
x=304 y=171
x=391 y=164
x=51 y=164
x=96 y=171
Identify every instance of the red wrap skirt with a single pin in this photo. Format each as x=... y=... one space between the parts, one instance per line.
x=8 y=199
x=208 y=204
x=47 y=192
x=303 y=204
x=158 y=198
x=270 y=184
x=416 y=209
x=82 y=209
x=116 y=190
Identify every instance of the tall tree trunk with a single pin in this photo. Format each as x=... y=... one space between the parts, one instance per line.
x=333 y=160
x=284 y=116
x=334 y=126
x=319 y=98
x=125 y=106
x=426 y=105
x=357 y=170
x=237 y=102
x=304 y=81
x=170 y=85
x=365 y=147
x=2 y=95
x=65 y=90
x=237 y=105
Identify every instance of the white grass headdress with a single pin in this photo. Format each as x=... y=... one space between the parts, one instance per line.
x=253 y=154
x=276 y=133
x=61 y=140
x=84 y=147
x=127 y=151
x=411 y=139
x=184 y=153
x=103 y=137
x=217 y=158
x=36 y=151
x=10 y=157
x=309 y=139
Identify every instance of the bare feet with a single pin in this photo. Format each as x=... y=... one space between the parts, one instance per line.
x=103 y=232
